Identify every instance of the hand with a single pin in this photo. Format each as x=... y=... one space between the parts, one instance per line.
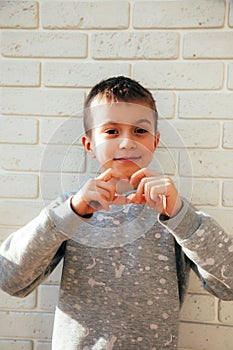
x=98 y=193
x=156 y=191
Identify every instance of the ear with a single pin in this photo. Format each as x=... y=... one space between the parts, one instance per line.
x=156 y=140
x=87 y=144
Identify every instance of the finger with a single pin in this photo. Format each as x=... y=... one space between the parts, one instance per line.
x=107 y=197
x=140 y=174
x=109 y=174
x=156 y=188
x=141 y=190
x=157 y=204
x=133 y=199
x=151 y=185
x=97 y=186
x=120 y=200
x=108 y=189
x=164 y=204
x=106 y=175
x=137 y=176
x=149 y=189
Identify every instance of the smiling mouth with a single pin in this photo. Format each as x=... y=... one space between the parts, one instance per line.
x=127 y=159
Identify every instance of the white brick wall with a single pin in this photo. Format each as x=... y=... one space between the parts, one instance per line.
x=19 y=14
x=180 y=75
x=212 y=44
x=43 y=44
x=134 y=45
x=51 y=53
x=178 y=14
x=85 y=15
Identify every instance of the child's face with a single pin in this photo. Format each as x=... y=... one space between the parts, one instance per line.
x=122 y=137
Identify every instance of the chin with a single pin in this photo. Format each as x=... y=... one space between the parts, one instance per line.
x=128 y=171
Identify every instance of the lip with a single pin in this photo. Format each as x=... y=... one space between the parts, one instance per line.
x=126 y=159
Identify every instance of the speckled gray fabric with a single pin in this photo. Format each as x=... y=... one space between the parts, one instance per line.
x=125 y=272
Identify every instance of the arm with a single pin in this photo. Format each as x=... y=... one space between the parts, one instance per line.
x=208 y=247
x=30 y=254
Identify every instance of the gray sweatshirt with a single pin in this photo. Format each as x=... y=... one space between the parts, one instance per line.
x=125 y=272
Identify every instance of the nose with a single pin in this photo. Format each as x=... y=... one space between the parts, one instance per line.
x=127 y=142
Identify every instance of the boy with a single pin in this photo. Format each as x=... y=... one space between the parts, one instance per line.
x=125 y=271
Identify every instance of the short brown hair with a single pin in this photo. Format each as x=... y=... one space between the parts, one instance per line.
x=119 y=89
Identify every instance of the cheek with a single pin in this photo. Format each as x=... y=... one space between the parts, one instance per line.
x=147 y=151
x=147 y=146
x=105 y=149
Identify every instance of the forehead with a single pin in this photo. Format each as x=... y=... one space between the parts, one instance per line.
x=120 y=112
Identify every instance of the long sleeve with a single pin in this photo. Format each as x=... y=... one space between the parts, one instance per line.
x=30 y=254
x=208 y=247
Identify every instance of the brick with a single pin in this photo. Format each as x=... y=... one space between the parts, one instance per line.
x=226 y=312
x=18 y=14
x=195 y=285
x=63 y=159
x=230 y=76
x=21 y=324
x=180 y=134
x=81 y=74
x=134 y=45
x=198 y=191
x=228 y=135
x=178 y=14
x=15 y=344
x=184 y=186
x=18 y=213
x=54 y=184
x=205 y=105
x=39 y=158
x=177 y=75
x=164 y=162
x=205 y=192
x=19 y=73
x=18 y=186
x=230 y=19
x=41 y=102
x=5 y=232
x=165 y=102
x=204 y=336
x=199 y=308
x=14 y=303
x=85 y=15
x=61 y=131
x=222 y=215
x=44 y=44
x=208 y=45
x=213 y=164
x=227 y=198
x=42 y=346
x=21 y=157
x=47 y=297
x=18 y=130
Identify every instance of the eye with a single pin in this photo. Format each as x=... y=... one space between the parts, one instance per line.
x=111 y=131
x=140 y=131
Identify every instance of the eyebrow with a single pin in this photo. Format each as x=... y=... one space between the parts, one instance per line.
x=139 y=121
